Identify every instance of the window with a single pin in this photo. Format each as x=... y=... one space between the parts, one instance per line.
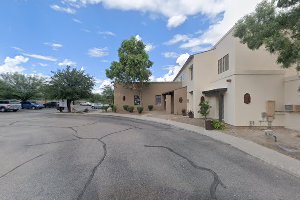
x=247 y=98
x=124 y=98
x=223 y=64
x=191 y=71
x=137 y=100
x=158 y=100
x=202 y=99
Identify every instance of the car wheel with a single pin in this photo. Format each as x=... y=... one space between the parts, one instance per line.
x=15 y=110
x=2 y=109
x=33 y=107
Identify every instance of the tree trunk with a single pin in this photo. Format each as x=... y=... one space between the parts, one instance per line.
x=69 y=105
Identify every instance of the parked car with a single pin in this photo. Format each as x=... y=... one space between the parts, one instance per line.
x=97 y=106
x=9 y=105
x=31 y=105
x=51 y=104
x=85 y=104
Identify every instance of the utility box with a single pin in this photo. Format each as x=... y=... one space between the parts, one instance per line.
x=270 y=108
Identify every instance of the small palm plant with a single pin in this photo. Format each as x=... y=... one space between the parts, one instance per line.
x=204 y=109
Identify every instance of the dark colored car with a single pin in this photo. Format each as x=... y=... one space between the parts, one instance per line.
x=31 y=105
x=51 y=104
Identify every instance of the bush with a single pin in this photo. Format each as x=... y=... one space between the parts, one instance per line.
x=114 y=108
x=204 y=109
x=105 y=108
x=218 y=125
x=125 y=107
x=183 y=111
x=130 y=109
x=140 y=109
x=150 y=107
x=191 y=114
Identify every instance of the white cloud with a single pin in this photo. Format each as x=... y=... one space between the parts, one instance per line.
x=149 y=47
x=67 y=62
x=138 y=38
x=175 y=21
x=176 y=11
x=86 y=30
x=170 y=55
x=172 y=70
x=41 y=57
x=178 y=38
x=107 y=33
x=101 y=84
x=12 y=65
x=42 y=64
x=17 y=49
x=54 y=46
x=63 y=9
x=233 y=11
x=98 y=52
x=77 y=21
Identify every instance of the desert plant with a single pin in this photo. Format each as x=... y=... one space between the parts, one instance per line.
x=183 y=111
x=140 y=109
x=204 y=109
x=191 y=114
x=218 y=125
x=125 y=107
x=150 y=107
x=130 y=109
x=114 y=108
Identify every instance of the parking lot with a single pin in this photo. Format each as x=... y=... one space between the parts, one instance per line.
x=50 y=155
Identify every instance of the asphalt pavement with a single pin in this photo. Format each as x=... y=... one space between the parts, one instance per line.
x=49 y=155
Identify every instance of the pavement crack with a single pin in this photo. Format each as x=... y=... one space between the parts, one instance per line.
x=215 y=183
x=21 y=165
x=60 y=141
x=13 y=123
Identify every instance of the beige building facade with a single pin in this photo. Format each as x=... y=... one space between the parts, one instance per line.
x=159 y=94
x=241 y=85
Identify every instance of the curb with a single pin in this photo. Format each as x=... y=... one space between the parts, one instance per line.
x=269 y=156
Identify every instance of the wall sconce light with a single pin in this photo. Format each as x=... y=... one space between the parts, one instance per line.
x=228 y=80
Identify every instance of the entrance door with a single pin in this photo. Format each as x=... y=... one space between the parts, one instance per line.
x=221 y=107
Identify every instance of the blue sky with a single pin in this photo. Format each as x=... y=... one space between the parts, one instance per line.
x=40 y=36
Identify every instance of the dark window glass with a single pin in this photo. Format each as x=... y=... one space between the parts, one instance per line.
x=158 y=100
x=202 y=99
x=137 y=100
x=124 y=98
x=247 y=98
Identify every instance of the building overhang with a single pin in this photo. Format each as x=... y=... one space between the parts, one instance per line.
x=214 y=92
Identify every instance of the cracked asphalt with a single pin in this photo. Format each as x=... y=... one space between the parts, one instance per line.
x=45 y=155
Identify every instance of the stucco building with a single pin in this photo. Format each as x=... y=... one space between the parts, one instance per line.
x=243 y=87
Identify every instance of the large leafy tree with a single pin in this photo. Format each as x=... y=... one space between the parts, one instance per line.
x=21 y=86
x=108 y=94
x=132 y=69
x=70 y=84
x=276 y=25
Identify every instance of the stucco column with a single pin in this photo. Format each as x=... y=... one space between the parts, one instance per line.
x=168 y=104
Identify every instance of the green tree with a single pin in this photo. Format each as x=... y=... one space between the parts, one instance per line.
x=70 y=84
x=132 y=69
x=276 y=25
x=21 y=86
x=108 y=94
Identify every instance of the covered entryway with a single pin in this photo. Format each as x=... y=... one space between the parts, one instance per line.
x=219 y=94
x=169 y=102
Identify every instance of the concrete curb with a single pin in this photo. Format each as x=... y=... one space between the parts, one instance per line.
x=274 y=158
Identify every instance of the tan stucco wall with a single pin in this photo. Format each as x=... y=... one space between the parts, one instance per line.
x=148 y=94
x=182 y=92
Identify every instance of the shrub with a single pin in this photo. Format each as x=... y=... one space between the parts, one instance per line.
x=218 y=125
x=191 y=114
x=183 y=111
x=105 y=108
x=140 y=109
x=114 y=108
x=204 y=109
x=130 y=109
x=150 y=107
x=125 y=107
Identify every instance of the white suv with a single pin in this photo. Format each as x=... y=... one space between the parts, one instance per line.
x=9 y=105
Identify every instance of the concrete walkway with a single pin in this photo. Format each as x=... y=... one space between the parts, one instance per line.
x=267 y=155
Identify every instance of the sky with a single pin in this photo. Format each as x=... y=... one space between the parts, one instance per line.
x=41 y=36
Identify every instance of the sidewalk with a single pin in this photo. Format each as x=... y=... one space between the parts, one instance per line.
x=267 y=155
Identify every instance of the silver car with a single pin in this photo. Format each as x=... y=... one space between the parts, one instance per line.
x=9 y=105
